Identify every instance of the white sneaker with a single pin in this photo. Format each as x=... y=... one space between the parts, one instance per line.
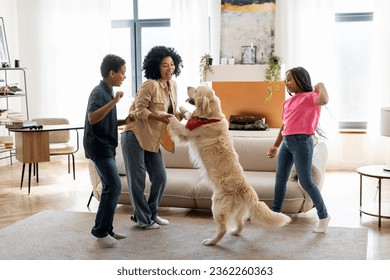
x=119 y=236
x=107 y=241
x=161 y=221
x=152 y=226
x=322 y=225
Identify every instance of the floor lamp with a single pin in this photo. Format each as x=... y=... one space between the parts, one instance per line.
x=385 y=128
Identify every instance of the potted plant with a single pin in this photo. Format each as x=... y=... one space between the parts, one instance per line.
x=272 y=74
x=205 y=65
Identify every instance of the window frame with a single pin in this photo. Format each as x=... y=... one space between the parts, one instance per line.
x=135 y=27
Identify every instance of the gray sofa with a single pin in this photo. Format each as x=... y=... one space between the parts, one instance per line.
x=186 y=189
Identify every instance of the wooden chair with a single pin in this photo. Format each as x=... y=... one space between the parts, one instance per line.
x=60 y=141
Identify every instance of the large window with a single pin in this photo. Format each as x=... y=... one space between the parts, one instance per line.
x=136 y=27
x=354 y=54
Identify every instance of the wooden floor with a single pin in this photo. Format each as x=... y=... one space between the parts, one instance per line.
x=57 y=190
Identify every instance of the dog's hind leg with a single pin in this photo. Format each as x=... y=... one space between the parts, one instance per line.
x=220 y=219
x=240 y=222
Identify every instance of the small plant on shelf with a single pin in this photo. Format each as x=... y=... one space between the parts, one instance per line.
x=272 y=75
x=205 y=65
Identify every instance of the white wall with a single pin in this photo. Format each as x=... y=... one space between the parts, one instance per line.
x=8 y=13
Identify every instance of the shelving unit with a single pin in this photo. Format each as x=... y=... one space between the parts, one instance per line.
x=12 y=77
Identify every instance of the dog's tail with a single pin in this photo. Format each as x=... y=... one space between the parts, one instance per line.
x=261 y=214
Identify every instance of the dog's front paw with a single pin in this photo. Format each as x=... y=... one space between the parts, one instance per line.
x=185 y=112
x=208 y=242
x=173 y=120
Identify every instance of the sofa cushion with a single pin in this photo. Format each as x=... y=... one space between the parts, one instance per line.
x=253 y=153
x=179 y=159
x=180 y=189
x=119 y=158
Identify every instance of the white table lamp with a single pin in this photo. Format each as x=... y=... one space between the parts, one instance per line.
x=385 y=127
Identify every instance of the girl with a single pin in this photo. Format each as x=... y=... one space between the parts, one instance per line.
x=300 y=117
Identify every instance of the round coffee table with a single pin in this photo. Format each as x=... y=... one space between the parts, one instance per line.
x=374 y=171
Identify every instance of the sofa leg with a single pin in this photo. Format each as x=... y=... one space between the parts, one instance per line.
x=90 y=197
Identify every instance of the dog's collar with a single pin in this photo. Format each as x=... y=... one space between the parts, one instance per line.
x=195 y=122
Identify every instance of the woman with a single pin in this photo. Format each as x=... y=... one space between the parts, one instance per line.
x=143 y=136
x=300 y=116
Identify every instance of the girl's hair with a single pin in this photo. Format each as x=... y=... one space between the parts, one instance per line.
x=153 y=59
x=302 y=78
x=111 y=62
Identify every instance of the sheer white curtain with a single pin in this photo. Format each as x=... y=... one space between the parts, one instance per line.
x=379 y=146
x=62 y=44
x=305 y=36
x=190 y=37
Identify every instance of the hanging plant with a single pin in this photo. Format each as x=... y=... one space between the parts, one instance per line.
x=272 y=75
x=205 y=65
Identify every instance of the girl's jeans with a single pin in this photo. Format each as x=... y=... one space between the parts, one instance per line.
x=297 y=149
x=138 y=162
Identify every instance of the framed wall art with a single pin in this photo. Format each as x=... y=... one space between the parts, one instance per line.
x=4 y=55
x=243 y=22
x=248 y=55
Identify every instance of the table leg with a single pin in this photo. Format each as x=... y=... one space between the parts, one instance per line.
x=21 y=181
x=29 y=177
x=361 y=195
x=37 y=171
x=379 y=201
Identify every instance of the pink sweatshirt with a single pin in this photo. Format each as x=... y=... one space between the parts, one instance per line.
x=301 y=114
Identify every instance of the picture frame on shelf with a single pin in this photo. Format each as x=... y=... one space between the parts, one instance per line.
x=4 y=54
x=248 y=54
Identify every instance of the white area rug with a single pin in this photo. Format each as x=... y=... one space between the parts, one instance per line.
x=62 y=235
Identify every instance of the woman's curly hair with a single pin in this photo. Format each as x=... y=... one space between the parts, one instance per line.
x=153 y=59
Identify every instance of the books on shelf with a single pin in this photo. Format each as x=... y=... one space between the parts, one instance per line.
x=9 y=117
x=6 y=142
x=3 y=114
x=16 y=116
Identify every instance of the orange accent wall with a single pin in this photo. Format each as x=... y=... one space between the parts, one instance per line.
x=248 y=98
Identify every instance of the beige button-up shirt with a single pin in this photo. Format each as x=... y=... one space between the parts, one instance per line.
x=153 y=96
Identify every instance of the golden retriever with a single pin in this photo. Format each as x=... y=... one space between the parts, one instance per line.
x=211 y=149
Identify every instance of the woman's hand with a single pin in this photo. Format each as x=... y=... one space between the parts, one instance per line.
x=130 y=118
x=164 y=118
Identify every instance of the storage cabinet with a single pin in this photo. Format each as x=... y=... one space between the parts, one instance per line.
x=13 y=105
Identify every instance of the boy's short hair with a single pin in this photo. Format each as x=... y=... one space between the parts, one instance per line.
x=111 y=62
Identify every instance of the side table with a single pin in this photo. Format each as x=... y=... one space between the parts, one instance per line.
x=374 y=171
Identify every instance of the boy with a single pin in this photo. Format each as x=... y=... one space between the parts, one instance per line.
x=100 y=142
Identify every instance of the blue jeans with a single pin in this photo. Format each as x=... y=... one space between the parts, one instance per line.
x=298 y=150
x=138 y=162
x=111 y=183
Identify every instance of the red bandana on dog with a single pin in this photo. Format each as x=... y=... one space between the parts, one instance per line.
x=195 y=122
